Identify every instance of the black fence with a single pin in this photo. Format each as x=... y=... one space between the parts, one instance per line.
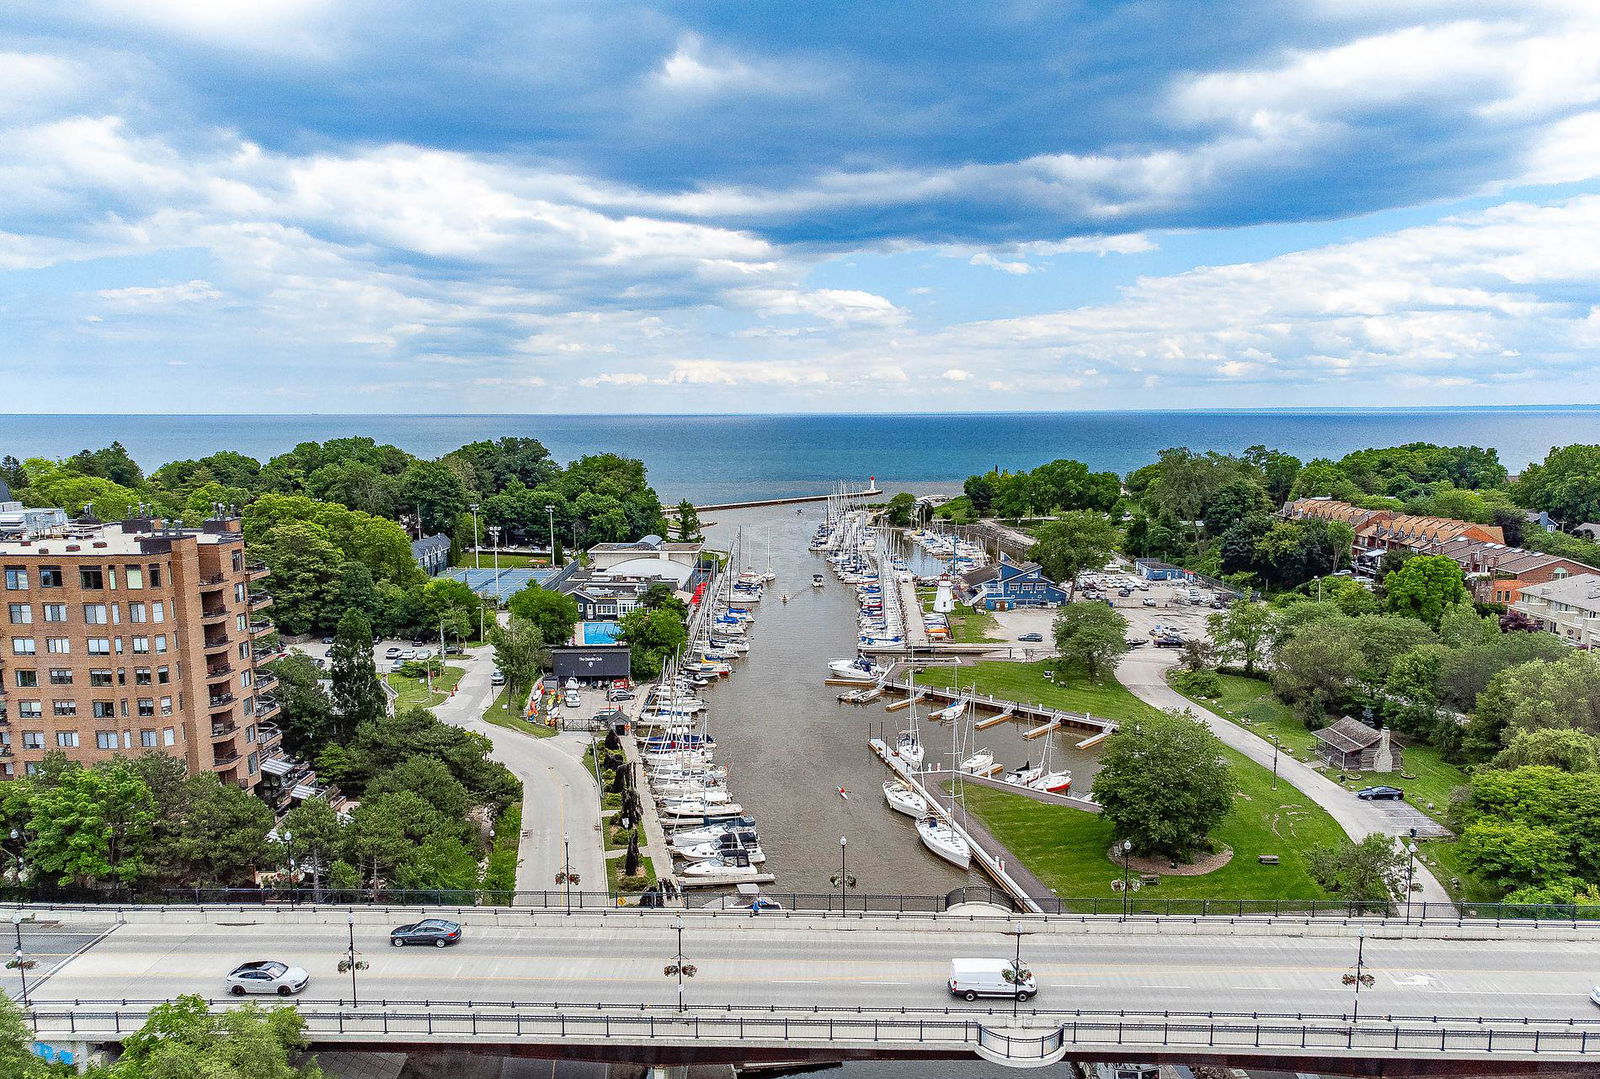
x=828 y=903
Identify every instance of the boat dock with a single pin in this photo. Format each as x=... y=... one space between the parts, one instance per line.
x=1036 y=714
x=994 y=859
x=655 y=836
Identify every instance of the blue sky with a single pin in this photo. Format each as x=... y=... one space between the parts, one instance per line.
x=396 y=206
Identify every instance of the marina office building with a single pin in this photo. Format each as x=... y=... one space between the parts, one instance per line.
x=131 y=637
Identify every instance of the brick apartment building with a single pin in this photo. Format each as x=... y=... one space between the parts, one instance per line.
x=123 y=638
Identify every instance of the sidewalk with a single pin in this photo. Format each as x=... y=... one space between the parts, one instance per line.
x=1143 y=671
x=559 y=797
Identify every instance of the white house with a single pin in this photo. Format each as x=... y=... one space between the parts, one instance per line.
x=1569 y=608
x=650 y=557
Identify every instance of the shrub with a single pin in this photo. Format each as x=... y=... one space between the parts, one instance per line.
x=1202 y=684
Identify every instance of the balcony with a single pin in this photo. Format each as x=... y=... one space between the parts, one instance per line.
x=260 y=600
x=265 y=679
x=267 y=734
x=213 y=618
x=222 y=730
x=266 y=707
x=261 y=629
x=225 y=758
x=218 y=670
x=216 y=643
x=257 y=569
x=221 y=700
x=214 y=581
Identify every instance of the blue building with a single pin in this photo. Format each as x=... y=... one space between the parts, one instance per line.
x=432 y=553
x=1009 y=584
x=1154 y=570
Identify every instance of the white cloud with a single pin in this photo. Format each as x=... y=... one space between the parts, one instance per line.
x=161 y=295
x=617 y=378
x=956 y=374
x=983 y=258
x=837 y=306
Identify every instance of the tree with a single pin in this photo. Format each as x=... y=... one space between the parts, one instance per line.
x=1164 y=785
x=1564 y=692
x=1241 y=632
x=520 y=654
x=1080 y=540
x=91 y=825
x=688 y=522
x=221 y=834
x=306 y=715
x=384 y=833
x=551 y=614
x=1462 y=627
x=1566 y=484
x=1317 y=667
x=1555 y=747
x=1512 y=854
x=1370 y=874
x=899 y=512
x=1425 y=587
x=429 y=779
x=1090 y=636
x=17 y=1060
x=357 y=696
x=430 y=490
x=182 y=1039
x=311 y=835
x=305 y=575
x=651 y=636
x=980 y=493
x=1069 y=485
x=1276 y=470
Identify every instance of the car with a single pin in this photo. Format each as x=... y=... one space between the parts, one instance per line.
x=1031 y=638
x=397 y=666
x=619 y=695
x=267 y=976
x=419 y=641
x=1594 y=994
x=1149 y=601
x=1171 y=640
x=455 y=650
x=1144 y=586
x=1381 y=794
x=438 y=932
x=1219 y=604
x=498 y=678
x=327 y=640
x=392 y=652
x=1134 y=642
x=1124 y=591
x=572 y=699
x=424 y=653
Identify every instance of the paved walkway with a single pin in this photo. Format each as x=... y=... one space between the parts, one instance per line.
x=1143 y=671
x=559 y=797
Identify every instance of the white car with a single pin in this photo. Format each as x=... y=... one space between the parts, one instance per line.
x=267 y=976
x=573 y=699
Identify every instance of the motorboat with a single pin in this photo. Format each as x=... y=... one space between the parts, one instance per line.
x=908 y=747
x=1052 y=783
x=859 y=669
x=665 y=743
x=708 y=833
x=945 y=841
x=725 y=845
x=980 y=763
x=902 y=799
x=735 y=868
x=688 y=787
x=1024 y=776
x=816 y=580
x=945 y=715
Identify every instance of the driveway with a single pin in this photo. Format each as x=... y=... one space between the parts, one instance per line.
x=1143 y=671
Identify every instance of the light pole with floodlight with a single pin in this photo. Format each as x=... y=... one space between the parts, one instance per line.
x=19 y=964
x=679 y=966
x=1127 y=852
x=1411 y=872
x=476 y=561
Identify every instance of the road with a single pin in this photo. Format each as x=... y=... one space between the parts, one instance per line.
x=560 y=801
x=1144 y=672
x=798 y=964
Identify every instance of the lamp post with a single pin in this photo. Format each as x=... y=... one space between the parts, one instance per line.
x=1411 y=870
x=350 y=960
x=494 y=534
x=476 y=562
x=550 y=513
x=1275 y=747
x=566 y=878
x=1127 y=852
x=20 y=963
x=679 y=966
x=1359 y=977
x=1016 y=970
x=844 y=879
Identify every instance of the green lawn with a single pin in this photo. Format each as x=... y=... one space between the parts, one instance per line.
x=413 y=692
x=614 y=873
x=1025 y=683
x=511 y=718
x=500 y=871
x=1443 y=857
x=1067 y=848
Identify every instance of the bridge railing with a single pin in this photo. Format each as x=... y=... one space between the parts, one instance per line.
x=1138 y=906
x=1275 y=1037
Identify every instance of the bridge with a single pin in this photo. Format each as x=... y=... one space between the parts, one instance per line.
x=1445 y=998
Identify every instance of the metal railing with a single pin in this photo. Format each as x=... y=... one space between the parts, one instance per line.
x=1293 y=1037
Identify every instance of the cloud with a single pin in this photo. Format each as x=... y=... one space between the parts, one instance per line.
x=956 y=374
x=618 y=378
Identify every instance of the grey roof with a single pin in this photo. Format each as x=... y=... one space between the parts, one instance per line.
x=982 y=575
x=439 y=542
x=1582 y=590
x=1348 y=735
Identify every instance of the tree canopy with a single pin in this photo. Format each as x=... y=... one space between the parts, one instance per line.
x=1164 y=785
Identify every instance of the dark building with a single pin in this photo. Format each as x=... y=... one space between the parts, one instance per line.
x=590 y=662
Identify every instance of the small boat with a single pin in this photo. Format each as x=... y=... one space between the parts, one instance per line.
x=981 y=762
x=1024 y=776
x=734 y=868
x=945 y=841
x=695 y=810
x=709 y=833
x=1053 y=783
x=908 y=747
x=816 y=580
x=859 y=669
x=902 y=799
x=723 y=846
x=944 y=715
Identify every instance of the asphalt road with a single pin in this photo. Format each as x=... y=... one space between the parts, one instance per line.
x=792 y=964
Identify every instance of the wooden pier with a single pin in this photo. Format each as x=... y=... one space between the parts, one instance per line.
x=992 y=721
x=1041 y=731
x=1036 y=714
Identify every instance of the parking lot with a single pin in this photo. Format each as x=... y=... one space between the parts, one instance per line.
x=1159 y=607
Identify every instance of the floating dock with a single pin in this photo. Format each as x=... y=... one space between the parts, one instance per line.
x=1041 y=731
x=992 y=721
x=1037 y=714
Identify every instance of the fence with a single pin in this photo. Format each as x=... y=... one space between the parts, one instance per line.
x=1140 y=905
x=1270 y=1036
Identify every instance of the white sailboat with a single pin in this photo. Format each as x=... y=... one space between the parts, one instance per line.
x=710 y=833
x=908 y=746
x=1024 y=776
x=945 y=841
x=1051 y=781
x=902 y=799
x=980 y=763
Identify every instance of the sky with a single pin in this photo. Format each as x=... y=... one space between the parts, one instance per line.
x=247 y=206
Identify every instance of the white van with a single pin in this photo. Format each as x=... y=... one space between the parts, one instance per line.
x=974 y=978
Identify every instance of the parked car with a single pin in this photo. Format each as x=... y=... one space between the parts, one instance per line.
x=1171 y=640
x=1220 y=604
x=435 y=931
x=327 y=640
x=1124 y=591
x=266 y=976
x=392 y=652
x=1031 y=638
x=397 y=666
x=498 y=678
x=619 y=695
x=1134 y=642
x=1149 y=601
x=572 y=699
x=1381 y=794
x=424 y=653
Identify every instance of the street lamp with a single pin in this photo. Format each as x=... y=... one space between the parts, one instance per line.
x=567 y=877
x=476 y=562
x=1275 y=746
x=550 y=513
x=844 y=879
x=20 y=964
x=352 y=960
x=1016 y=970
x=494 y=534
x=1411 y=870
x=679 y=966
x=1359 y=977
x=1127 y=852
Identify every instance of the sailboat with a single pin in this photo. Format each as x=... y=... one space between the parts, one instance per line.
x=908 y=747
x=1051 y=781
x=945 y=841
x=1024 y=776
x=902 y=799
x=980 y=763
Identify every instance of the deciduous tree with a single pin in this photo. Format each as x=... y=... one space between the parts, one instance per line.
x=1425 y=587
x=1164 y=785
x=1080 y=540
x=1090 y=637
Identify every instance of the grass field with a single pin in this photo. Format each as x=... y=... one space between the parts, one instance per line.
x=511 y=718
x=413 y=692
x=1025 y=683
x=1067 y=848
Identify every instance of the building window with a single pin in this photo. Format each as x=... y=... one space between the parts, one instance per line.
x=21 y=614
x=147 y=706
x=167 y=736
x=251 y=763
x=147 y=739
x=240 y=591
x=94 y=614
x=64 y=708
x=134 y=577
x=52 y=577
x=163 y=675
x=241 y=622
x=238 y=560
x=166 y=706
x=61 y=676
x=55 y=612
x=23 y=646
x=103 y=710
x=105 y=739
x=30 y=679
x=91 y=577
x=158 y=612
x=16 y=578
x=33 y=740
x=66 y=739
x=30 y=709
x=58 y=646
x=141 y=676
x=99 y=678
x=136 y=612
x=161 y=644
x=141 y=646
x=99 y=646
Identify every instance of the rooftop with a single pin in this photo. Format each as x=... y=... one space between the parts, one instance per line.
x=1580 y=591
x=131 y=537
